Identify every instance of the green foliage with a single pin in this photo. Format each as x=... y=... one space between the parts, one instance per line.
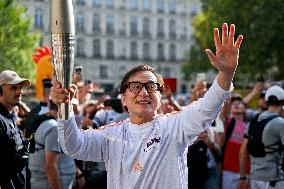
x=260 y=22
x=17 y=43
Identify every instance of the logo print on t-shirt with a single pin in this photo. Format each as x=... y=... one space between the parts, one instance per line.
x=137 y=166
x=152 y=143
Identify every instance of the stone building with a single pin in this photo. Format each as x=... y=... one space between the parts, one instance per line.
x=114 y=35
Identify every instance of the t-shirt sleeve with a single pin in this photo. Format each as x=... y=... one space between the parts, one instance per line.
x=186 y=125
x=88 y=145
x=51 y=140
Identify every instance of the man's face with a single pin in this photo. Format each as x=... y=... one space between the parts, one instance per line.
x=12 y=95
x=262 y=103
x=143 y=104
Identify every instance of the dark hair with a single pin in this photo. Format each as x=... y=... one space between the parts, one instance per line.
x=136 y=69
x=273 y=100
x=52 y=106
x=1 y=91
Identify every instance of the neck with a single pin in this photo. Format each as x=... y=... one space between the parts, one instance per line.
x=238 y=116
x=274 y=109
x=140 y=119
x=7 y=106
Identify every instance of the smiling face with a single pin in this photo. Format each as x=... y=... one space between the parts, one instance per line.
x=142 y=105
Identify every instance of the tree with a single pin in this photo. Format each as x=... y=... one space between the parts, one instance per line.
x=260 y=22
x=17 y=43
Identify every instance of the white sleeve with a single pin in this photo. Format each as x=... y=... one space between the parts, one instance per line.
x=88 y=145
x=195 y=118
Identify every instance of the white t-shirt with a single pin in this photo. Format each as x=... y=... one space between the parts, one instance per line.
x=150 y=155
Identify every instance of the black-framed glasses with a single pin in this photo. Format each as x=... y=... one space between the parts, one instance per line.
x=150 y=87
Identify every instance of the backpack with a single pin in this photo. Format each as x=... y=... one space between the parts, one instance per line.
x=197 y=164
x=32 y=127
x=255 y=146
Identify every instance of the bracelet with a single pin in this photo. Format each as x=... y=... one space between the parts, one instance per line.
x=80 y=176
x=243 y=178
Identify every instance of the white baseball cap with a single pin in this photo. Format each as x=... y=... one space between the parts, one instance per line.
x=12 y=78
x=276 y=91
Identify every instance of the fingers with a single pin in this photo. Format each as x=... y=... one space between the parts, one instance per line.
x=211 y=56
x=58 y=94
x=217 y=38
x=225 y=33
x=56 y=83
x=72 y=90
x=239 y=41
x=231 y=34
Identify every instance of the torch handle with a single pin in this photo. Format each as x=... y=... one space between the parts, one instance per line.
x=63 y=45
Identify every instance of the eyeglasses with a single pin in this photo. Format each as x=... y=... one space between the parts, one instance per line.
x=150 y=87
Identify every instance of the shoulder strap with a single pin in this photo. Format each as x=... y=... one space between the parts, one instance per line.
x=230 y=128
x=40 y=120
x=228 y=133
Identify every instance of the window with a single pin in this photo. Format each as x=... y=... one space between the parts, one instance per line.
x=172 y=52
x=161 y=51
x=110 y=49
x=96 y=48
x=133 y=4
x=80 y=22
x=146 y=51
x=184 y=33
x=160 y=28
x=146 y=5
x=80 y=2
x=133 y=50
x=193 y=10
x=133 y=25
x=110 y=3
x=146 y=27
x=167 y=72
x=96 y=23
x=80 y=47
x=172 y=6
x=109 y=26
x=160 y=6
x=97 y=3
x=103 y=72
x=38 y=18
x=172 y=29
x=122 y=70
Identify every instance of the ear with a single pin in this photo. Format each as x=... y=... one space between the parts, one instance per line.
x=160 y=101
x=123 y=100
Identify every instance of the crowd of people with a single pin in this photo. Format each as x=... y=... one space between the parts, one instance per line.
x=141 y=136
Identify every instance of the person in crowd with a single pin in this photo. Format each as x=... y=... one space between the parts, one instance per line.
x=170 y=104
x=235 y=126
x=257 y=91
x=149 y=145
x=265 y=169
x=206 y=179
x=49 y=166
x=14 y=152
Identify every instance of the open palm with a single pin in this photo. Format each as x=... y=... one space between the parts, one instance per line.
x=227 y=52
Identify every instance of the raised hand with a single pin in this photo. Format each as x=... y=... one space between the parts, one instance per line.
x=227 y=54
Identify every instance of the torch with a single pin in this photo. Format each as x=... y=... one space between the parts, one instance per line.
x=63 y=44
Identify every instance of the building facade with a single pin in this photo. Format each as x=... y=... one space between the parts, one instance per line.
x=115 y=35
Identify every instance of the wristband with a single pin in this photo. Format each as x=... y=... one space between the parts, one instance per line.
x=243 y=178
